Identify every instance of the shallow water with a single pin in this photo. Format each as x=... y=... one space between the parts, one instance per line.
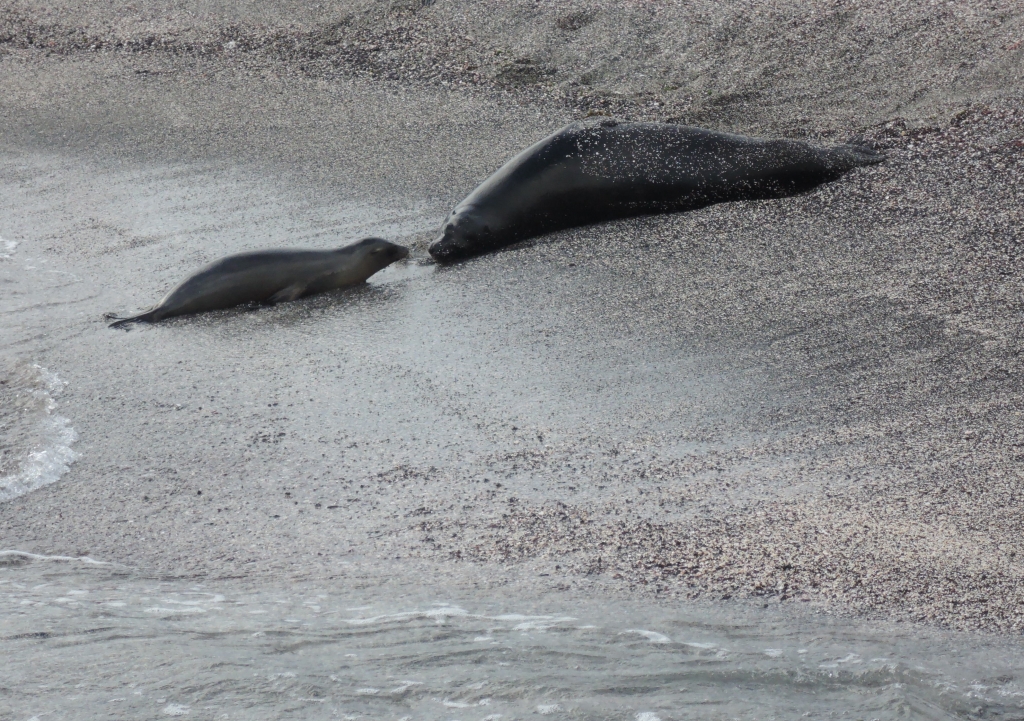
x=84 y=640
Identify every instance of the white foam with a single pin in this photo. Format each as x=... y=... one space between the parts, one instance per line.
x=702 y=646
x=212 y=598
x=448 y=703
x=652 y=636
x=542 y=623
x=849 y=658
x=176 y=710
x=548 y=708
x=647 y=716
x=175 y=611
x=436 y=614
x=7 y=248
x=406 y=685
x=47 y=465
x=39 y=557
x=531 y=619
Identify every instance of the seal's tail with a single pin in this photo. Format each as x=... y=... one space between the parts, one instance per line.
x=147 y=317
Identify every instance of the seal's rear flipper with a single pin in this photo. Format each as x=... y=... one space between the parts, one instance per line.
x=146 y=317
x=860 y=153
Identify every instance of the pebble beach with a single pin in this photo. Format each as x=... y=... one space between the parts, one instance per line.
x=815 y=402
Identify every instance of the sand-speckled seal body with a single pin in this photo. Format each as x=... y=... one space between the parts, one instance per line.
x=591 y=172
x=272 y=276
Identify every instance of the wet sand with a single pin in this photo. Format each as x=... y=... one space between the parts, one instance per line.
x=814 y=401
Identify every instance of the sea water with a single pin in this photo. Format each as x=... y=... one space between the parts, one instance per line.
x=86 y=639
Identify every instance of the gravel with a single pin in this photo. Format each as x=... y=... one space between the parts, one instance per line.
x=793 y=67
x=892 y=482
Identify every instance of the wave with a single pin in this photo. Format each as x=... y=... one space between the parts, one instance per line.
x=35 y=433
x=7 y=248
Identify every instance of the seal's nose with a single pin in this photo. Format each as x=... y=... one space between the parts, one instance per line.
x=451 y=244
x=441 y=250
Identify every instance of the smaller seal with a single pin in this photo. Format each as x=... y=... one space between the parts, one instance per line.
x=272 y=276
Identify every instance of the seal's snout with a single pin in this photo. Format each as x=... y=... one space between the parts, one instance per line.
x=457 y=237
x=447 y=246
x=443 y=249
x=379 y=252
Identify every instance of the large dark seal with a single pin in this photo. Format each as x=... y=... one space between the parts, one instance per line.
x=587 y=173
x=272 y=276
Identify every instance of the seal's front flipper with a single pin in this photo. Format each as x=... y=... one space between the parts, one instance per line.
x=292 y=292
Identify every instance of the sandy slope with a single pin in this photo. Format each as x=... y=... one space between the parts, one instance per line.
x=790 y=66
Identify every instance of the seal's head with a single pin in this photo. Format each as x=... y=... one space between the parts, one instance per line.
x=377 y=252
x=463 y=234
